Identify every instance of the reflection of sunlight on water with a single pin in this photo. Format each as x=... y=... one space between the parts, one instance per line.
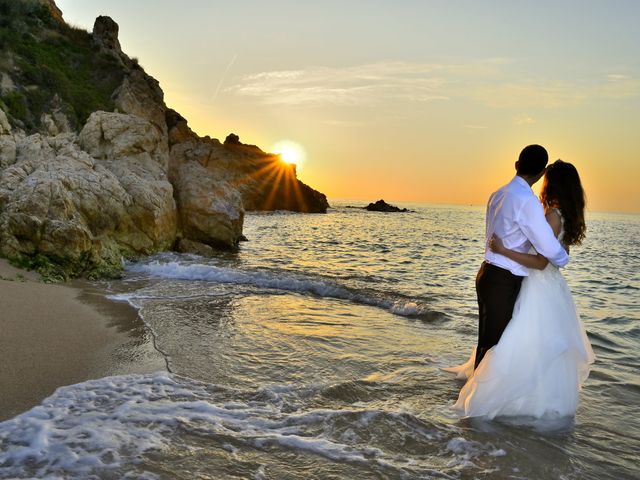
x=435 y=254
x=306 y=381
x=259 y=335
x=292 y=315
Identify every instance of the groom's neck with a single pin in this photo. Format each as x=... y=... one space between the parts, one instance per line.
x=530 y=180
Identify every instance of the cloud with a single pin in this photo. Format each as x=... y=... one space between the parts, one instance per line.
x=616 y=77
x=530 y=94
x=369 y=84
x=224 y=74
x=620 y=86
x=490 y=82
x=523 y=119
x=540 y=93
x=344 y=123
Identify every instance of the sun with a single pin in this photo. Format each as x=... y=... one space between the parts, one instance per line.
x=290 y=152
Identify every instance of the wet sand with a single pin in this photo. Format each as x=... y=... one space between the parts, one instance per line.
x=55 y=335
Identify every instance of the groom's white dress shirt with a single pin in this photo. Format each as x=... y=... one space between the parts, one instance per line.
x=516 y=215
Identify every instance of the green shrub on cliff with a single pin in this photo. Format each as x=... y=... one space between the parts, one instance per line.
x=14 y=14
x=52 y=64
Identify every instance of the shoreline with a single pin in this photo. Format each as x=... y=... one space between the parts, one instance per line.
x=60 y=334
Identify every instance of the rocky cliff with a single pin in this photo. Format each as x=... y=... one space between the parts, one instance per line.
x=94 y=166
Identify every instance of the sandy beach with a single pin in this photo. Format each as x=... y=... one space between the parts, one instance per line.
x=55 y=335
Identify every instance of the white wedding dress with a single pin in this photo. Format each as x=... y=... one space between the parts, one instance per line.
x=543 y=357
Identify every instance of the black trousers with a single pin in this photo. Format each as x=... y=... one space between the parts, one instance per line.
x=497 y=291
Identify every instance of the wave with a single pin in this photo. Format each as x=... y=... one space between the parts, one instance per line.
x=106 y=427
x=395 y=303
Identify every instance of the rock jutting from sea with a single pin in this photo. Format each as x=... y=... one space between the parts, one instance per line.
x=94 y=166
x=382 y=206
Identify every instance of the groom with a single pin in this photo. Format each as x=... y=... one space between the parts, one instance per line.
x=516 y=216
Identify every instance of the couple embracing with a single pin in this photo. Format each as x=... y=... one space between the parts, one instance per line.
x=533 y=353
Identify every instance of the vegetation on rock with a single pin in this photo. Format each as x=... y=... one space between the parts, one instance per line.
x=52 y=65
x=93 y=165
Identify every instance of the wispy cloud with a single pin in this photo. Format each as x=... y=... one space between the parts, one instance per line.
x=224 y=74
x=530 y=94
x=617 y=77
x=523 y=119
x=541 y=93
x=490 y=82
x=369 y=84
x=344 y=123
x=620 y=86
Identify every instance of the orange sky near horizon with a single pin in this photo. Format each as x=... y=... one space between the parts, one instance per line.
x=453 y=176
x=425 y=101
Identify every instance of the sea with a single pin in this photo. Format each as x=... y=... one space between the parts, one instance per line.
x=315 y=352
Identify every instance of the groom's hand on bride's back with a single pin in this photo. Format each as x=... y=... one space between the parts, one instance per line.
x=495 y=244
x=536 y=261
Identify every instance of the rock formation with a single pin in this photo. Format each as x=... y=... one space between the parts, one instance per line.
x=105 y=34
x=82 y=201
x=81 y=188
x=263 y=180
x=56 y=13
x=382 y=206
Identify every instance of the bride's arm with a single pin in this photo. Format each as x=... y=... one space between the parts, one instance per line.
x=529 y=260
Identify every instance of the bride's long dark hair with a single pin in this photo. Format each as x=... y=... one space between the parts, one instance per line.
x=562 y=189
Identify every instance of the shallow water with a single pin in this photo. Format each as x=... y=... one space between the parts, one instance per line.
x=315 y=352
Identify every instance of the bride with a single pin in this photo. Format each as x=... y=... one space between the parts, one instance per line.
x=543 y=356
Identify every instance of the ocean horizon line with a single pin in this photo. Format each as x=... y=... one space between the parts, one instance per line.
x=405 y=203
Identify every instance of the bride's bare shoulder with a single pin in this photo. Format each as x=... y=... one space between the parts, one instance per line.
x=554 y=219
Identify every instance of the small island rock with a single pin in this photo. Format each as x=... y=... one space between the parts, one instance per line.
x=382 y=206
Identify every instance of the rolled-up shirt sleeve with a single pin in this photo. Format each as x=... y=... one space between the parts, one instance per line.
x=536 y=228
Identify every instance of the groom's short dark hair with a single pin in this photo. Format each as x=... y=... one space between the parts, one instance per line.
x=532 y=160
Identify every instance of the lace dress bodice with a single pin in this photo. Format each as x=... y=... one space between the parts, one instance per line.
x=560 y=236
x=550 y=266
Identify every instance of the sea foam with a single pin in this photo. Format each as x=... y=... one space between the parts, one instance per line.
x=103 y=428
x=288 y=282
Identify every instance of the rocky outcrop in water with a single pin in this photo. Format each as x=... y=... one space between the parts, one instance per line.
x=382 y=206
x=101 y=168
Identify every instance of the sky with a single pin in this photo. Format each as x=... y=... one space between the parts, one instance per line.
x=410 y=101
